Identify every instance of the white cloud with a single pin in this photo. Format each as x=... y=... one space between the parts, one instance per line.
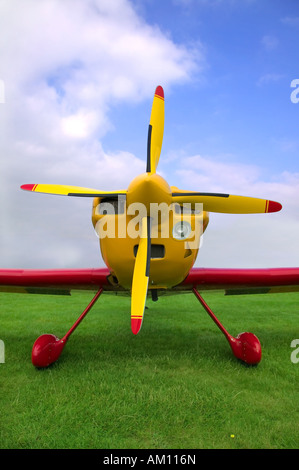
x=212 y=3
x=214 y=175
x=287 y=145
x=80 y=125
x=261 y=240
x=64 y=66
x=269 y=42
x=291 y=20
x=269 y=78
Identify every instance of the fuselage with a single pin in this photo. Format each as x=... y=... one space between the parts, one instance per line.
x=175 y=232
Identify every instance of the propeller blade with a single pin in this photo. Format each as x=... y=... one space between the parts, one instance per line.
x=226 y=203
x=141 y=276
x=63 y=190
x=155 y=131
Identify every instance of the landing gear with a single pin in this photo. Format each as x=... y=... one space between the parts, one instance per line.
x=245 y=346
x=47 y=348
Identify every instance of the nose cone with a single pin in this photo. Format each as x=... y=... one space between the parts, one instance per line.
x=149 y=189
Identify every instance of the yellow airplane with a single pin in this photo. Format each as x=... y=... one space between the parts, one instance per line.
x=153 y=252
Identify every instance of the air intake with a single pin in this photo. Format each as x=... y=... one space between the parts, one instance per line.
x=157 y=251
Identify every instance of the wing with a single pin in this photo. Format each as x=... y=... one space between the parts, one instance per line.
x=61 y=281
x=242 y=281
x=232 y=281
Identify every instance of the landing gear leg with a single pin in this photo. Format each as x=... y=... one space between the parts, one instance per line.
x=245 y=346
x=47 y=348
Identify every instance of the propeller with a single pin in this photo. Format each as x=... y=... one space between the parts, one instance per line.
x=143 y=256
x=155 y=131
x=226 y=203
x=141 y=275
x=63 y=190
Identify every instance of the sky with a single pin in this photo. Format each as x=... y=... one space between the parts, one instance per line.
x=77 y=80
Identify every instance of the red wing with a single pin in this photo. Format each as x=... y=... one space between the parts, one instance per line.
x=59 y=281
x=242 y=281
x=233 y=281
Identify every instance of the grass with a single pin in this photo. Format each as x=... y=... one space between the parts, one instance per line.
x=175 y=385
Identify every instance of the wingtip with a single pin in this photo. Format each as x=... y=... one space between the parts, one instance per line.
x=159 y=92
x=274 y=206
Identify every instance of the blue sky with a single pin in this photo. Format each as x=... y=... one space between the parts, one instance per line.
x=79 y=80
x=240 y=101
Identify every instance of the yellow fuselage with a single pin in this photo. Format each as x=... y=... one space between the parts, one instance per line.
x=173 y=248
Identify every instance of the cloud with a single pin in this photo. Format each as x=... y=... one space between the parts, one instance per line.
x=253 y=240
x=65 y=66
x=88 y=55
x=287 y=145
x=269 y=78
x=269 y=42
x=214 y=175
x=290 y=20
x=212 y=3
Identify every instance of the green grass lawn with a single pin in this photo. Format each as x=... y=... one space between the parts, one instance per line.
x=176 y=385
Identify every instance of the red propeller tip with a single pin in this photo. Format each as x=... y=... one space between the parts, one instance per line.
x=136 y=325
x=274 y=206
x=28 y=187
x=159 y=92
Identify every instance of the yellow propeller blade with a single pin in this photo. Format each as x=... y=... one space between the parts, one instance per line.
x=63 y=190
x=141 y=276
x=155 y=131
x=226 y=203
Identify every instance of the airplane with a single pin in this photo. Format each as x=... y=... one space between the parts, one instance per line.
x=153 y=253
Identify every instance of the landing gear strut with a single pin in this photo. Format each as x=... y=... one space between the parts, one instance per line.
x=245 y=346
x=47 y=348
